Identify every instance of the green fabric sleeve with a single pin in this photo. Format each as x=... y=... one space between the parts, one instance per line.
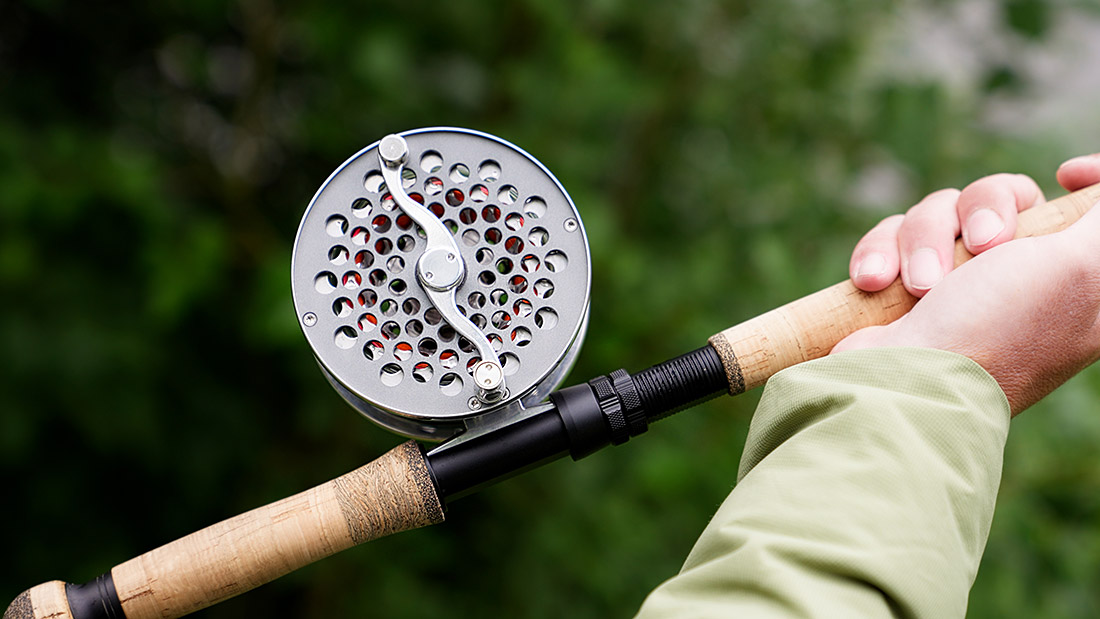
x=866 y=489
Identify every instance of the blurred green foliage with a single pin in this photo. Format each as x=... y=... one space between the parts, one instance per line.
x=155 y=159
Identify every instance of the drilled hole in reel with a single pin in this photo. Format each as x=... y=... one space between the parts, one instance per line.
x=391 y=331
x=391 y=375
x=402 y=351
x=507 y=195
x=479 y=193
x=521 y=336
x=352 y=280
x=345 y=337
x=459 y=173
x=360 y=207
x=431 y=161
x=517 y=284
x=360 y=236
x=367 y=323
x=368 y=298
x=422 y=372
x=325 y=282
x=338 y=255
x=546 y=318
x=489 y=171
x=556 y=261
x=490 y=214
x=538 y=237
x=432 y=316
x=374 y=182
x=336 y=226
x=427 y=347
x=373 y=350
x=364 y=259
x=534 y=207
x=450 y=384
x=342 y=307
x=544 y=289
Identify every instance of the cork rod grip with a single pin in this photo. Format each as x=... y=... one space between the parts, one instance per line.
x=394 y=493
x=810 y=327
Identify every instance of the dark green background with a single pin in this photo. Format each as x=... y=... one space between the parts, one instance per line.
x=155 y=160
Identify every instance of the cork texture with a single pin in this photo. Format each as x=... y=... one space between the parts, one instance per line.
x=46 y=601
x=725 y=352
x=20 y=608
x=393 y=493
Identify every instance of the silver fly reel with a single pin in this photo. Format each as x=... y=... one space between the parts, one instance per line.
x=441 y=277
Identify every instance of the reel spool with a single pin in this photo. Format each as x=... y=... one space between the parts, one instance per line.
x=442 y=278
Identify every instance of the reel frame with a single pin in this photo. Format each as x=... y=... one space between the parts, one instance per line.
x=384 y=337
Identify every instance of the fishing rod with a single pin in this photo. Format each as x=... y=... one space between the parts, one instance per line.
x=441 y=277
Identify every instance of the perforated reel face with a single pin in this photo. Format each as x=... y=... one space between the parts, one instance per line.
x=372 y=327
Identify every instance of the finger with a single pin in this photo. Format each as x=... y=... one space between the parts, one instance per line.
x=875 y=261
x=926 y=240
x=1079 y=172
x=988 y=206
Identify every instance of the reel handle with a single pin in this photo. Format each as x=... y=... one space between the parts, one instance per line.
x=391 y=494
x=810 y=327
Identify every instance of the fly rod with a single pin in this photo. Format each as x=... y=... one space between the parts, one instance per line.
x=441 y=277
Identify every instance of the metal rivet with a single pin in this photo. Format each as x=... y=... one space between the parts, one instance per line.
x=474 y=403
x=309 y=319
x=570 y=225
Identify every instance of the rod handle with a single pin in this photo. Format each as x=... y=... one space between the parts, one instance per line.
x=391 y=494
x=810 y=327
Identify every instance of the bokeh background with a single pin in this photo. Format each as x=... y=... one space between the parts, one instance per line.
x=155 y=159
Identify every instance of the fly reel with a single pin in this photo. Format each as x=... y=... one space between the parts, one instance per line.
x=442 y=278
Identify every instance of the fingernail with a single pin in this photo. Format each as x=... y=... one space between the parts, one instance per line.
x=982 y=227
x=924 y=268
x=872 y=264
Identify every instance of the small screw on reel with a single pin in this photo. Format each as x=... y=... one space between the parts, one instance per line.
x=448 y=277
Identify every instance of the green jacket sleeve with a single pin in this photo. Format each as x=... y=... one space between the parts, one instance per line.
x=866 y=489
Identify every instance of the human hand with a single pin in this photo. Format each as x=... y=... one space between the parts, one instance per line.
x=1025 y=311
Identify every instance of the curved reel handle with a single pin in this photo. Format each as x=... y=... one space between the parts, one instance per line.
x=810 y=327
x=392 y=494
